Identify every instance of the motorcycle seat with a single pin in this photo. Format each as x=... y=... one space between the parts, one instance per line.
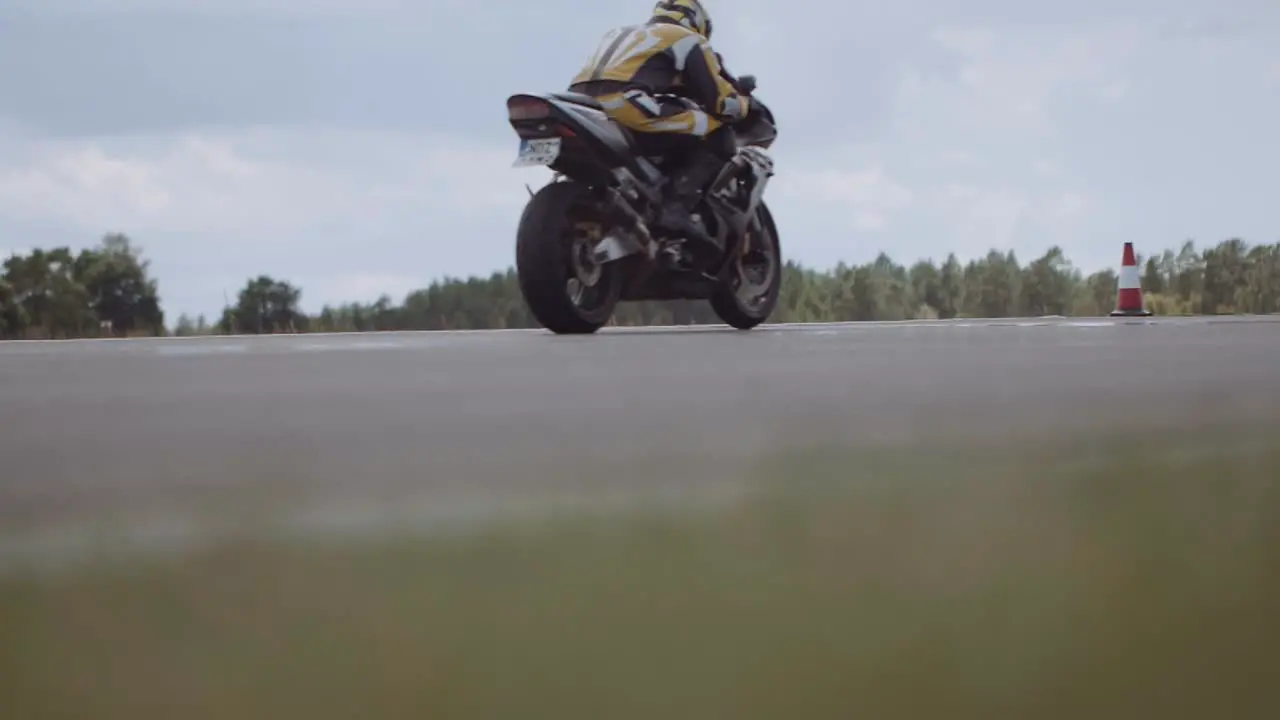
x=578 y=99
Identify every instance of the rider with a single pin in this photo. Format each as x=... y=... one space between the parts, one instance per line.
x=670 y=54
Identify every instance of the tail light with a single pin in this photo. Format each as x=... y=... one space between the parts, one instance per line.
x=527 y=108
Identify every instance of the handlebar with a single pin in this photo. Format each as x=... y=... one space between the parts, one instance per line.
x=745 y=84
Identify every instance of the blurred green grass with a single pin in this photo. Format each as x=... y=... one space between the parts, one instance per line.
x=1135 y=578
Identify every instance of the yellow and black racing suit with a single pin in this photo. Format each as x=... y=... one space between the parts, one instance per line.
x=634 y=63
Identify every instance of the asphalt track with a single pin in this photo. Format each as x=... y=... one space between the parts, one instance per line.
x=331 y=428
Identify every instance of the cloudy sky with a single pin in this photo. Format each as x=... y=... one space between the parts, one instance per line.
x=357 y=147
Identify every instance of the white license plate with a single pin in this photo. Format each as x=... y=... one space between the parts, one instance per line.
x=542 y=151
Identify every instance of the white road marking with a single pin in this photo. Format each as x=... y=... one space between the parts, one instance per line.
x=382 y=340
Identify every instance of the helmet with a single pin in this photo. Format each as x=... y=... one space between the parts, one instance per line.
x=688 y=13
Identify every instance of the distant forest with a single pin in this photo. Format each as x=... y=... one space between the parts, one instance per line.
x=107 y=291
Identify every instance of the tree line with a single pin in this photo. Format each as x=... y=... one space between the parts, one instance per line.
x=103 y=290
x=107 y=291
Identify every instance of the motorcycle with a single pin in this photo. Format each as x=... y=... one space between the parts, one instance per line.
x=584 y=241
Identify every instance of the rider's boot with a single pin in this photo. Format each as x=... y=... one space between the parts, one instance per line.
x=684 y=194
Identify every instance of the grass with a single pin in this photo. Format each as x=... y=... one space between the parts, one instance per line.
x=1073 y=581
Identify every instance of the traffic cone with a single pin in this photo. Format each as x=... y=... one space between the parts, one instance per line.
x=1129 y=301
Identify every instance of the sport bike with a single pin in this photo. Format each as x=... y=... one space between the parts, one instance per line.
x=585 y=243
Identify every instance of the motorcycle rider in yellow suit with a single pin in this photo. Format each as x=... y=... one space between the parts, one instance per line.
x=670 y=53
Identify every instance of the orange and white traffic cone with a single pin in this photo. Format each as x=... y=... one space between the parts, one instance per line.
x=1129 y=302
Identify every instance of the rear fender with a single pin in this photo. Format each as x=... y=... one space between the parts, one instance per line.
x=593 y=144
x=619 y=152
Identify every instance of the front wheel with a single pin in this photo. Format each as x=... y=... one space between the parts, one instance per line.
x=566 y=289
x=751 y=291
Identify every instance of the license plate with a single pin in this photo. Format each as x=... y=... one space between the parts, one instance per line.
x=542 y=151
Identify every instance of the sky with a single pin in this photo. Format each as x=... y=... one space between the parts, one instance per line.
x=360 y=147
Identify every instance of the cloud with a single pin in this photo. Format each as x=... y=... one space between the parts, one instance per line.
x=215 y=208
x=1041 y=134
x=1016 y=78
x=273 y=180
x=359 y=8
x=951 y=172
x=881 y=211
x=867 y=199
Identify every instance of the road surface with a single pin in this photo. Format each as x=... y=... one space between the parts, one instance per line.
x=328 y=427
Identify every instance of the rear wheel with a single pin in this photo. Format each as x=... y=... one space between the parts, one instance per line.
x=755 y=277
x=566 y=289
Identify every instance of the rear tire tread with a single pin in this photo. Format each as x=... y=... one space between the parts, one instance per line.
x=540 y=265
